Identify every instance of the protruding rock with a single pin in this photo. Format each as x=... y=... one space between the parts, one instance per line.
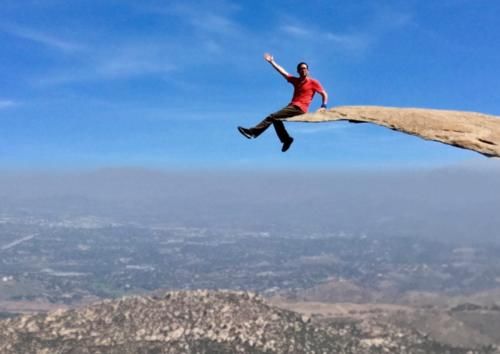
x=467 y=130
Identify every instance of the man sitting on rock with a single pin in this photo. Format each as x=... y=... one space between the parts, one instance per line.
x=304 y=89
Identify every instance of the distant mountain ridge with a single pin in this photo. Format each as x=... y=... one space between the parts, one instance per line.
x=200 y=322
x=467 y=130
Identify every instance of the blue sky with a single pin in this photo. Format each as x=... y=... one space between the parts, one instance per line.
x=87 y=83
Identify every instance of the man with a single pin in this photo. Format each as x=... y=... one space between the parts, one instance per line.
x=304 y=89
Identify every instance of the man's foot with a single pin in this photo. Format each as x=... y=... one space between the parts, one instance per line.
x=246 y=133
x=287 y=144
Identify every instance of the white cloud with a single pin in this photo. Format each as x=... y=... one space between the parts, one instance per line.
x=296 y=31
x=214 y=24
x=210 y=35
x=123 y=60
x=212 y=32
x=41 y=38
x=208 y=17
x=353 y=42
x=7 y=104
x=134 y=59
x=320 y=37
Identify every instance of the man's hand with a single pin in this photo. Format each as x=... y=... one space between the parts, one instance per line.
x=268 y=57
x=323 y=105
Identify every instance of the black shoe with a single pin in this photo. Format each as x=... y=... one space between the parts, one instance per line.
x=287 y=144
x=246 y=133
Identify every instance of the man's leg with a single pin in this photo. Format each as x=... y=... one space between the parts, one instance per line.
x=275 y=119
x=281 y=132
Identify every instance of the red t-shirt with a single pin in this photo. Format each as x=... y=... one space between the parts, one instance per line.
x=304 y=91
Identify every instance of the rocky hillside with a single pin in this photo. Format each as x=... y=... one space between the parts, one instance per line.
x=201 y=322
x=468 y=130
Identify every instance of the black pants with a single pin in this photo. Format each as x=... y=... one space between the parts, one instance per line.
x=276 y=120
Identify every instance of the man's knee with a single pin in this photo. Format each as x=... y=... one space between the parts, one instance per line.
x=270 y=118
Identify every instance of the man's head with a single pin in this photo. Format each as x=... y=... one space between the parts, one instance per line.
x=303 y=69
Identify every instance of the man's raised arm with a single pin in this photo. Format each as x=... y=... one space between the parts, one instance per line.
x=270 y=59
